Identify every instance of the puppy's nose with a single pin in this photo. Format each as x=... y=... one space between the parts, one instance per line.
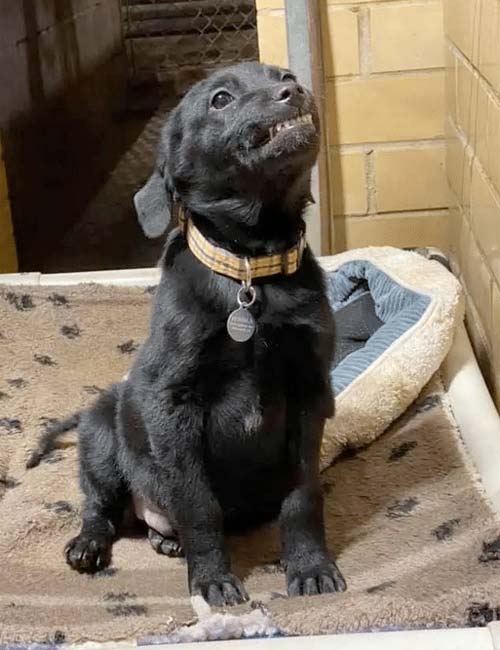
x=288 y=93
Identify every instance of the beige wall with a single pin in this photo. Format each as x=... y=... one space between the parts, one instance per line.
x=473 y=163
x=8 y=256
x=271 y=30
x=62 y=75
x=384 y=64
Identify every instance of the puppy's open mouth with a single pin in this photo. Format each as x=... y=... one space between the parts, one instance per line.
x=277 y=130
x=289 y=124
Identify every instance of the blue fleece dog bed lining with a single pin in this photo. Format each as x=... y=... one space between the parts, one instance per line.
x=397 y=307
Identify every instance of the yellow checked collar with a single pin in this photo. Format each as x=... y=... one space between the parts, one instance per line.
x=244 y=269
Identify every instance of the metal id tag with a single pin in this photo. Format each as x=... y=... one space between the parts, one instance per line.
x=240 y=323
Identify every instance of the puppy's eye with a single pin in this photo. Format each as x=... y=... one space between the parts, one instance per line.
x=221 y=99
x=288 y=76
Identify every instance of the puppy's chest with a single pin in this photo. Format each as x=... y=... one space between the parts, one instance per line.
x=247 y=386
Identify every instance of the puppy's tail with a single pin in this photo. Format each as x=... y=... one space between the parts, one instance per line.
x=50 y=435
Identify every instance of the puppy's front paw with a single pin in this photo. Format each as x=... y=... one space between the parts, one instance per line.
x=86 y=554
x=226 y=589
x=323 y=578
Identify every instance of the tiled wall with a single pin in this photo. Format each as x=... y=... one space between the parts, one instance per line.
x=8 y=257
x=62 y=69
x=384 y=63
x=473 y=161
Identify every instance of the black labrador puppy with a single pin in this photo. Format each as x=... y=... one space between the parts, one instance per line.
x=219 y=424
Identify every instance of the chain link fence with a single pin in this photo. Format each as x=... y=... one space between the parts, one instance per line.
x=168 y=39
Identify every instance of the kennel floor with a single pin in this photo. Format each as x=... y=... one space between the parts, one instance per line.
x=413 y=519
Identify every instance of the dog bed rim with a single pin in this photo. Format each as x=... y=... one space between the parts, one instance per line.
x=325 y=263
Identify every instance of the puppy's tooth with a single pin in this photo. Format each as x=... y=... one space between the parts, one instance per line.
x=271 y=133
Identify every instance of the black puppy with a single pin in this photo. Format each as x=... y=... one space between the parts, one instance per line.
x=213 y=433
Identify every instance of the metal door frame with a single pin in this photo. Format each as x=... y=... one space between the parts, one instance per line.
x=305 y=58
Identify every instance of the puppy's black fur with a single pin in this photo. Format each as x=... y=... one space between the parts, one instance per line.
x=216 y=434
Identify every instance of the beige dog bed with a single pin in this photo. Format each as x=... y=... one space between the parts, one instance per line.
x=409 y=307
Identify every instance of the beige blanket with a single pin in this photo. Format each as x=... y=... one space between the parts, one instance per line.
x=406 y=517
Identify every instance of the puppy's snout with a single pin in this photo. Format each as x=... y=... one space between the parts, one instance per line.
x=288 y=93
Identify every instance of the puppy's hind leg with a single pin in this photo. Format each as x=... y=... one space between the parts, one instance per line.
x=162 y=537
x=106 y=495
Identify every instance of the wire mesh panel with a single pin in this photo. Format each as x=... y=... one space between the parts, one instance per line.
x=165 y=37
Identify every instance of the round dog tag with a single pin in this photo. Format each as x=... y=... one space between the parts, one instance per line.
x=241 y=325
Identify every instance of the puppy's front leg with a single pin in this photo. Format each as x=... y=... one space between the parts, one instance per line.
x=195 y=510
x=309 y=568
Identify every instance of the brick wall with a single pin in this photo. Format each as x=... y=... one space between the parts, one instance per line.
x=384 y=65
x=62 y=76
x=473 y=162
x=271 y=30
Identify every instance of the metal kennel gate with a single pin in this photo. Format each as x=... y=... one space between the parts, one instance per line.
x=167 y=38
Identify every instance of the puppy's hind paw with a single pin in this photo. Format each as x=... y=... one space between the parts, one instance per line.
x=224 y=590
x=169 y=546
x=86 y=554
x=322 y=579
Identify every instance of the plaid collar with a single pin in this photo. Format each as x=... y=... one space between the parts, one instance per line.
x=239 y=268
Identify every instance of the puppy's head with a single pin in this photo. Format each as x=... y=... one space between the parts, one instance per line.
x=245 y=137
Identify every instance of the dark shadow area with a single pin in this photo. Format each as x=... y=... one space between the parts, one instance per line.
x=87 y=89
x=70 y=130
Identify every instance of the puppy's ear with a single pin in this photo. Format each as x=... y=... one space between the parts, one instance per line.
x=153 y=203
